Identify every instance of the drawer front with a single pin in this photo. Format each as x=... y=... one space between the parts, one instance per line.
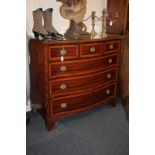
x=79 y=67
x=113 y=46
x=62 y=53
x=83 y=100
x=91 y=50
x=70 y=86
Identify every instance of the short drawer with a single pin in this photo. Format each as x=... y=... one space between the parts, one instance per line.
x=68 y=86
x=91 y=50
x=80 y=67
x=112 y=46
x=81 y=101
x=66 y=52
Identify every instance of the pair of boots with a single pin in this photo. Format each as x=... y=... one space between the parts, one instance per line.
x=47 y=31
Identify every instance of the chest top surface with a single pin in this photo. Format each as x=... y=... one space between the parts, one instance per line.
x=82 y=39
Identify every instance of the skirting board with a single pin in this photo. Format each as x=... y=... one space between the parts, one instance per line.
x=28 y=106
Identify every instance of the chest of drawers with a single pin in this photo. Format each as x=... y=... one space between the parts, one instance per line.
x=71 y=76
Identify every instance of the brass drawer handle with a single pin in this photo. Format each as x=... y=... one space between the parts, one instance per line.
x=92 y=49
x=110 y=60
x=63 y=52
x=63 y=68
x=63 y=86
x=111 y=46
x=63 y=105
x=108 y=91
x=109 y=76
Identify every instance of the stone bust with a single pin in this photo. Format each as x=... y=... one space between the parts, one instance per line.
x=74 y=10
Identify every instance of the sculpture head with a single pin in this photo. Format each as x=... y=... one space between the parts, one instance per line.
x=70 y=3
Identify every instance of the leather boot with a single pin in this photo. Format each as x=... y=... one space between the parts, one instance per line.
x=38 y=28
x=47 y=14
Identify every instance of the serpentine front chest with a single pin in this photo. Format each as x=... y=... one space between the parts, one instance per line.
x=72 y=76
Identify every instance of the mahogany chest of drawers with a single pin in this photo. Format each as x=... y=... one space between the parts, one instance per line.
x=71 y=76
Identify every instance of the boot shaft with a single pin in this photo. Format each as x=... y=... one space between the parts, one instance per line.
x=37 y=16
x=37 y=19
x=47 y=14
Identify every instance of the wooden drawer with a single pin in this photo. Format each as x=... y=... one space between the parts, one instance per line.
x=91 y=50
x=81 y=101
x=70 y=86
x=112 y=46
x=79 y=67
x=67 y=52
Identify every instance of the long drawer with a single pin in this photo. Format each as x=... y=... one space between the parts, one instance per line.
x=79 y=67
x=80 y=101
x=67 y=86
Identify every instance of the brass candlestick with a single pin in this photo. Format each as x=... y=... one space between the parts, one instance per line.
x=104 y=22
x=93 y=33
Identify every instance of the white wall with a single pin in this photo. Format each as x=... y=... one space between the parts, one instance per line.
x=59 y=22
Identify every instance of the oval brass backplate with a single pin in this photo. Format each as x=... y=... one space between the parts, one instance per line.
x=63 y=86
x=111 y=46
x=63 y=68
x=63 y=52
x=63 y=105
x=109 y=76
x=108 y=92
x=92 y=49
x=110 y=60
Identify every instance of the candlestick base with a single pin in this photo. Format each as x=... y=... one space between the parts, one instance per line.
x=93 y=33
x=103 y=35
